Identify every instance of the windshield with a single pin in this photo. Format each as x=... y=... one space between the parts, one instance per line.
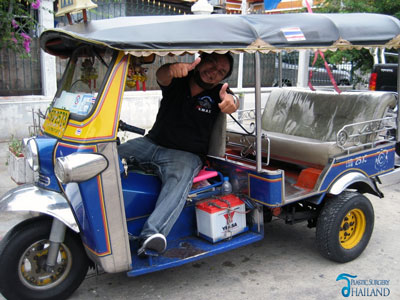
x=82 y=81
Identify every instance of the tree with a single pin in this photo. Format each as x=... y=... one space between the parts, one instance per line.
x=388 y=7
x=361 y=60
x=18 y=23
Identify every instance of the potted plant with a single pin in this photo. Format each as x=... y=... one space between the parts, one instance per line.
x=18 y=168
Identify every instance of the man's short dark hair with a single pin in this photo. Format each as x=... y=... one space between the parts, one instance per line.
x=227 y=55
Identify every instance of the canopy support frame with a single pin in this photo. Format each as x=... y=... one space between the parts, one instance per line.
x=398 y=93
x=257 y=92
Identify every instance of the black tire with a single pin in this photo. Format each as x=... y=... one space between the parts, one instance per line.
x=344 y=226
x=23 y=253
x=397 y=147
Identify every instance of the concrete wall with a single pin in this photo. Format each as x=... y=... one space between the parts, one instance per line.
x=16 y=118
x=16 y=115
x=138 y=109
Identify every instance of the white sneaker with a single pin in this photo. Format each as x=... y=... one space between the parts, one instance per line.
x=155 y=242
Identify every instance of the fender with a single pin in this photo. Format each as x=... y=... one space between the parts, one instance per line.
x=29 y=197
x=356 y=180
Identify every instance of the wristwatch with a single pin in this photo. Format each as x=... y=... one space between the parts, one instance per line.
x=235 y=100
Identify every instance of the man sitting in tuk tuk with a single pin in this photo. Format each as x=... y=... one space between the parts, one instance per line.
x=176 y=145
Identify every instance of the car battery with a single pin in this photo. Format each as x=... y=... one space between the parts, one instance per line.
x=220 y=218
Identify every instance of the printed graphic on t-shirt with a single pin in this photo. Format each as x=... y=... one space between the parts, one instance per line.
x=204 y=104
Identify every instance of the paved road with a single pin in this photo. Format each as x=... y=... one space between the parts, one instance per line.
x=285 y=265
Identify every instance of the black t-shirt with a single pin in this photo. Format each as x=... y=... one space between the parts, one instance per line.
x=184 y=122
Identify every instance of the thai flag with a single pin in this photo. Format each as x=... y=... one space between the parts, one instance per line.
x=293 y=34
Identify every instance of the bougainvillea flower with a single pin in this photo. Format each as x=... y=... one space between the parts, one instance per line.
x=36 y=4
x=25 y=36
x=14 y=24
x=27 y=44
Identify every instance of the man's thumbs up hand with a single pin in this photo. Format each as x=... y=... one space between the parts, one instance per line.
x=180 y=70
x=227 y=104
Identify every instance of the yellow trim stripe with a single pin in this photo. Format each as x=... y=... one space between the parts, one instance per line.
x=264 y=179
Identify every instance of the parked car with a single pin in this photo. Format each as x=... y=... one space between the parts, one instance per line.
x=384 y=72
x=383 y=78
x=319 y=75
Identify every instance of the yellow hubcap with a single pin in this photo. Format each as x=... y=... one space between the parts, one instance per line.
x=352 y=228
x=33 y=270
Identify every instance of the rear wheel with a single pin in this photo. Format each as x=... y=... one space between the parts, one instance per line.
x=397 y=147
x=345 y=226
x=23 y=272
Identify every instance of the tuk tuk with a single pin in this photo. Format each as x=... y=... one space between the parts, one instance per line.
x=310 y=156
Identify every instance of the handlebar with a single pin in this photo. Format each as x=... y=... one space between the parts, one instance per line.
x=125 y=127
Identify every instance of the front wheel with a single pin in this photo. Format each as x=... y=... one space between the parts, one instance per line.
x=23 y=272
x=345 y=226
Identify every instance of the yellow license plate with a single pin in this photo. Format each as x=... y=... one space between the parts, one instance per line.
x=56 y=122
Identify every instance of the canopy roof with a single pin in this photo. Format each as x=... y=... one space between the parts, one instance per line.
x=163 y=35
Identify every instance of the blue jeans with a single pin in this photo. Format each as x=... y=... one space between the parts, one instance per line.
x=176 y=170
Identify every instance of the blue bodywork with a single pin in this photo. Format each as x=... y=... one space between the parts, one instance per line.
x=370 y=163
x=140 y=195
x=140 y=191
x=46 y=146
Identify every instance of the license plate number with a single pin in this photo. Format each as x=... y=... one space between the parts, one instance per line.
x=56 y=122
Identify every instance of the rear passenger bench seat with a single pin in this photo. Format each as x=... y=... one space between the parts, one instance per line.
x=302 y=125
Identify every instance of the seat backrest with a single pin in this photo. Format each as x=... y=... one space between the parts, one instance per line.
x=217 y=144
x=321 y=115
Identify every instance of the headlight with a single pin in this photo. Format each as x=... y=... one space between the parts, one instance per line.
x=31 y=153
x=79 y=166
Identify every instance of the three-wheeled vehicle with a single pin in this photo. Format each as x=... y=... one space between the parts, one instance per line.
x=311 y=156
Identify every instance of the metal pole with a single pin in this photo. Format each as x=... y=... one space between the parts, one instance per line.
x=302 y=75
x=383 y=58
x=258 y=110
x=240 y=73
x=240 y=67
x=398 y=93
x=48 y=70
x=240 y=87
x=280 y=73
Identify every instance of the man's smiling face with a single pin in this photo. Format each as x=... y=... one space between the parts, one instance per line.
x=213 y=69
